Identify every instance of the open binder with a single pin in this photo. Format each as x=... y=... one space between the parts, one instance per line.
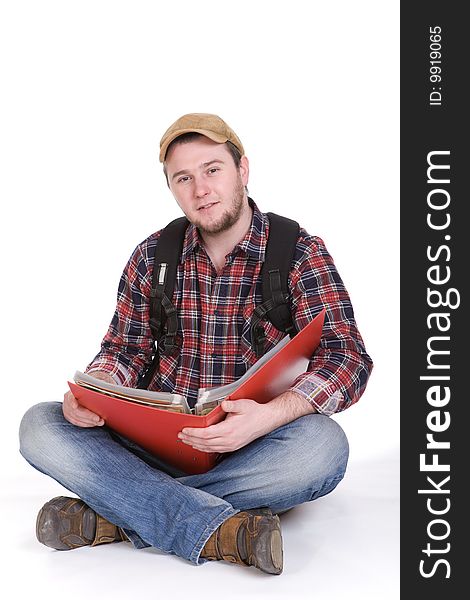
x=157 y=430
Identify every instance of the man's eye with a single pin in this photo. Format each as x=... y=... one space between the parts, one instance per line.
x=183 y=179
x=213 y=170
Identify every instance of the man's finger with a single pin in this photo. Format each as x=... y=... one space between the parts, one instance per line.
x=86 y=424
x=82 y=417
x=204 y=433
x=87 y=415
x=189 y=439
x=234 y=405
x=79 y=422
x=207 y=448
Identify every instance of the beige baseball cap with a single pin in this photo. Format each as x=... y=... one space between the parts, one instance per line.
x=209 y=125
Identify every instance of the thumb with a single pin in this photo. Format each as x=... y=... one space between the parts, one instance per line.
x=231 y=406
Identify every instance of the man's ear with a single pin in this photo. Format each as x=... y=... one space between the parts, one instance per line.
x=165 y=172
x=244 y=170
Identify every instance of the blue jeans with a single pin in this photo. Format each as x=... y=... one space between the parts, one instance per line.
x=177 y=513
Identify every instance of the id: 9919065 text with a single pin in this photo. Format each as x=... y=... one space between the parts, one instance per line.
x=435 y=65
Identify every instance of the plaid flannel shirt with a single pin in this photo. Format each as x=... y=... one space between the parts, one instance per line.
x=214 y=313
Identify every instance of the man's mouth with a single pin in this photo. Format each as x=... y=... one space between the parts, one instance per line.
x=207 y=206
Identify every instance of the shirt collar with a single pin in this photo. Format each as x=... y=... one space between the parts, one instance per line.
x=253 y=244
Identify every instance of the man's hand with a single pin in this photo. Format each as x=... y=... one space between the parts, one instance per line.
x=79 y=415
x=246 y=420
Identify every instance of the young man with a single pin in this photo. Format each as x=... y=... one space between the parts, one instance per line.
x=275 y=455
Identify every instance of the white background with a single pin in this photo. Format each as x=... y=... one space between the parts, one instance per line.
x=88 y=88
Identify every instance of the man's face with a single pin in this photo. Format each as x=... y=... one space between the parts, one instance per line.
x=206 y=184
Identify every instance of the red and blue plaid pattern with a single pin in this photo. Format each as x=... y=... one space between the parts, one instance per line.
x=214 y=317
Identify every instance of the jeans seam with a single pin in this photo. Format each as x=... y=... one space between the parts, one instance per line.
x=328 y=483
x=136 y=540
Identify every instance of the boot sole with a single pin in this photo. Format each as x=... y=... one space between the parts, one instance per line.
x=65 y=524
x=267 y=547
x=276 y=552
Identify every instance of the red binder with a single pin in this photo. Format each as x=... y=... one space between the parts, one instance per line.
x=157 y=430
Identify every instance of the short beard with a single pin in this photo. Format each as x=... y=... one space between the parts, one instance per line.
x=230 y=216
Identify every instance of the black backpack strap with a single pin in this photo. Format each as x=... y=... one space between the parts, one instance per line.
x=162 y=312
x=280 y=251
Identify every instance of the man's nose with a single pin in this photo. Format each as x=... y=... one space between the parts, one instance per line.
x=201 y=188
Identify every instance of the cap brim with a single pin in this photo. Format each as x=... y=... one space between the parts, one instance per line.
x=215 y=137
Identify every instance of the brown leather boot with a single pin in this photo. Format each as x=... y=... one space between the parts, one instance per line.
x=249 y=538
x=66 y=523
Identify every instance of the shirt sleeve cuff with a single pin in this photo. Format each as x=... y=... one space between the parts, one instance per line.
x=117 y=371
x=321 y=394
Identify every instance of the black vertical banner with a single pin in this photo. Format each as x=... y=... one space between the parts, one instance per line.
x=435 y=333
